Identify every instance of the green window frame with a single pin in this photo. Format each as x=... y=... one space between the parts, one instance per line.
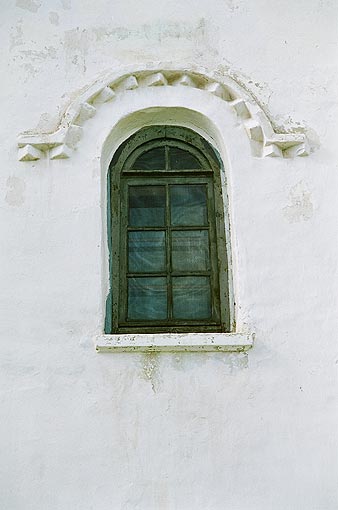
x=166 y=235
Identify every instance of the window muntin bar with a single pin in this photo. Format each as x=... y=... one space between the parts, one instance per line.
x=153 y=159
x=121 y=178
x=181 y=254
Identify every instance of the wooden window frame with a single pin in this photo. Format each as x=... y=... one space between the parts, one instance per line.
x=120 y=174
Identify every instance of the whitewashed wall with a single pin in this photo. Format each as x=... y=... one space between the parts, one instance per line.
x=81 y=430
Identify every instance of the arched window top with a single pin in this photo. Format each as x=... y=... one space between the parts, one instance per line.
x=165 y=156
x=165 y=149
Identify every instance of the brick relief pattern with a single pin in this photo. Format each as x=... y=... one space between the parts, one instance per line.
x=264 y=140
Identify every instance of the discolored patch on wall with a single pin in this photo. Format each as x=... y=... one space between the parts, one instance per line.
x=16 y=35
x=150 y=370
x=232 y=362
x=33 y=61
x=232 y=6
x=29 y=5
x=76 y=44
x=66 y=4
x=48 y=53
x=54 y=18
x=15 y=194
x=301 y=207
x=158 y=31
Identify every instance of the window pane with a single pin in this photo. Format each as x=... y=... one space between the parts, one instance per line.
x=147 y=298
x=146 y=251
x=151 y=160
x=182 y=160
x=191 y=297
x=188 y=204
x=146 y=206
x=190 y=250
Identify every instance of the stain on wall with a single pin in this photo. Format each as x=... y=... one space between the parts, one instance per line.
x=15 y=194
x=76 y=43
x=300 y=207
x=231 y=5
x=29 y=5
x=150 y=370
x=66 y=4
x=159 y=30
x=54 y=18
x=16 y=35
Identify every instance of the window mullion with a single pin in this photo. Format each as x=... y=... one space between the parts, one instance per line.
x=214 y=285
x=166 y=158
x=168 y=248
x=123 y=254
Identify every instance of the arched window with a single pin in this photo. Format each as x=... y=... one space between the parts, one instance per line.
x=168 y=257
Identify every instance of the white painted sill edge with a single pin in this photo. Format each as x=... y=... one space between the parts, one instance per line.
x=173 y=342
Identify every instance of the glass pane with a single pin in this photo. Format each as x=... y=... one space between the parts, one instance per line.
x=191 y=297
x=154 y=159
x=146 y=206
x=146 y=251
x=188 y=204
x=190 y=250
x=147 y=298
x=182 y=160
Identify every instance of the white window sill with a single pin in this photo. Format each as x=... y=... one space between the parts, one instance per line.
x=173 y=342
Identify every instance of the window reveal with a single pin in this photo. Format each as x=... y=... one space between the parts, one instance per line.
x=166 y=272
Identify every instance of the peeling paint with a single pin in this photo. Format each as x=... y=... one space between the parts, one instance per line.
x=232 y=362
x=313 y=138
x=287 y=124
x=47 y=122
x=156 y=31
x=150 y=370
x=32 y=60
x=29 y=5
x=231 y=5
x=54 y=18
x=15 y=194
x=247 y=84
x=16 y=36
x=31 y=71
x=76 y=43
x=49 y=52
x=66 y=4
x=301 y=207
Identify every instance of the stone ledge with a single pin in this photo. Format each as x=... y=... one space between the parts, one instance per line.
x=174 y=342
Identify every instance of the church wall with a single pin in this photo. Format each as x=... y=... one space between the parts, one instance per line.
x=167 y=431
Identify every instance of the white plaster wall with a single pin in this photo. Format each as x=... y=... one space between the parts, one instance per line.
x=81 y=430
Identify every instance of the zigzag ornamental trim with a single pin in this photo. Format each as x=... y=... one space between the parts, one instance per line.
x=264 y=140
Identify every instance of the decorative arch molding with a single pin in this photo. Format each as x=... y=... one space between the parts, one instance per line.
x=263 y=139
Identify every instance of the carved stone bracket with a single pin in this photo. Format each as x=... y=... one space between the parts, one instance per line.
x=264 y=140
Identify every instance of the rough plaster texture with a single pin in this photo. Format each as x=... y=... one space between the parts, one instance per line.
x=237 y=431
